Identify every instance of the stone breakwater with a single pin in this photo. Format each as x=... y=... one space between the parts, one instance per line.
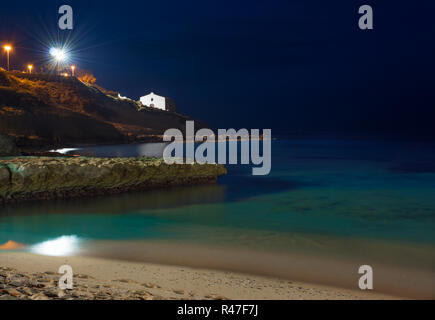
x=43 y=178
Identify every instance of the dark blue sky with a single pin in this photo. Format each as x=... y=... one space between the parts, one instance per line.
x=300 y=66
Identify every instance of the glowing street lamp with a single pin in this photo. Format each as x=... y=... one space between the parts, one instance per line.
x=30 y=67
x=59 y=55
x=8 y=48
x=72 y=70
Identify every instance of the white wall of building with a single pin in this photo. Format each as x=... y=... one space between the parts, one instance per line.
x=154 y=100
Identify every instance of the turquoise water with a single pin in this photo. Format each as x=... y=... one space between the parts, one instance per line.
x=317 y=189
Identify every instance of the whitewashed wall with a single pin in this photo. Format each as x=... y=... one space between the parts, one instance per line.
x=153 y=99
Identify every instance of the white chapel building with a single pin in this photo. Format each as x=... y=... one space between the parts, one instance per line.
x=153 y=100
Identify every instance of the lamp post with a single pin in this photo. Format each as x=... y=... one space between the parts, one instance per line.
x=8 y=48
x=30 y=67
x=72 y=70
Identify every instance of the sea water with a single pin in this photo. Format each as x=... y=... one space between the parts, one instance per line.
x=366 y=199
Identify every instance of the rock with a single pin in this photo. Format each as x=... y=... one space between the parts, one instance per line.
x=38 y=285
x=34 y=284
x=215 y=297
x=101 y=296
x=151 y=285
x=8 y=147
x=51 y=293
x=6 y=269
x=85 y=295
x=179 y=291
x=14 y=293
x=125 y=280
x=16 y=283
x=39 y=296
x=26 y=291
x=50 y=272
x=8 y=297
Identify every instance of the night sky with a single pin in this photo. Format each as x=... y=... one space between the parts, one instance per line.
x=299 y=66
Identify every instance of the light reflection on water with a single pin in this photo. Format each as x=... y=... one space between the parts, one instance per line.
x=62 y=246
x=127 y=150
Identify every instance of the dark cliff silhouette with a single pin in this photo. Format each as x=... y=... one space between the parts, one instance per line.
x=40 y=110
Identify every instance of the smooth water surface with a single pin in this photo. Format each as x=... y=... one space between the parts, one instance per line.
x=351 y=192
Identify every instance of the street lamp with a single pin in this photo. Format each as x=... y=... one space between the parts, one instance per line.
x=59 y=56
x=8 y=48
x=72 y=70
x=30 y=67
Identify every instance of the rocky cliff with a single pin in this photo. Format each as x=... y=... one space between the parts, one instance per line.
x=32 y=178
x=48 y=110
x=7 y=146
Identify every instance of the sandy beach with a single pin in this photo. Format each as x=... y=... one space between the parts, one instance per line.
x=32 y=276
